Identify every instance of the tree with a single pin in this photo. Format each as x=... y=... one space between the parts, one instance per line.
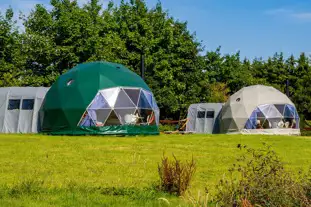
x=302 y=94
x=9 y=50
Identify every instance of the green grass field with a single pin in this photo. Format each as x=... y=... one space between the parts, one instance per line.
x=120 y=171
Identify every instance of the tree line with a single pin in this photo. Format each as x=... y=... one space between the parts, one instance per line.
x=54 y=40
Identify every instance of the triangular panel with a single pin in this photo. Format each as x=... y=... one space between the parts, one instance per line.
x=148 y=96
x=259 y=113
x=110 y=95
x=288 y=112
x=86 y=120
x=273 y=112
x=280 y=108
x=99 y=102
x=143 y=102
x=123 y=101
x=266 y=124
x=133 y=94
x=127 y=116
x=265 y=109
x=112 y=120
x=99 y=116
x=250 y=124
x=155 y=105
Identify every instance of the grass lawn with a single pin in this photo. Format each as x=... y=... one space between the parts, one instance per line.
x=120 y=171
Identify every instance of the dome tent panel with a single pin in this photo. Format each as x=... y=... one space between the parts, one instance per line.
x=99 y=116
x=123 y=101
x=133 y=94
x=259 y=108
x=80 y=87
x=110 y=95
x=143 y=101
x=86 y=120
x=112 y=119
x=149 y=97
x=99 y=102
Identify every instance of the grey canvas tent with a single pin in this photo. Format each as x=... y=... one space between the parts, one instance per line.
x=259 y=109
x=19 y=109
x=203 y=118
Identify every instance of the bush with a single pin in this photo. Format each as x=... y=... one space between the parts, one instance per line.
x=167 y=127
x=175 y=176
x=258 y=178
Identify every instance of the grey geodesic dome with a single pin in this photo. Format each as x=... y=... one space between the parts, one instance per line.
x=259 y=109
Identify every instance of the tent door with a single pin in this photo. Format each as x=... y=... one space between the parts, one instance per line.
x=209 y=121
x=204 y=121
x=26 y=115
x=200 y=120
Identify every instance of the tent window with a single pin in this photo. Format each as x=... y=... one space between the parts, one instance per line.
x=70 y=82
x=210 y=114
x=201 y=114
x=28 y=104
x=14 y=104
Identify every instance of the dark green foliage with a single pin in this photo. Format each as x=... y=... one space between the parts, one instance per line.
x=259 y=178
x=175 y=176
x=167 y=127
x=56 y=39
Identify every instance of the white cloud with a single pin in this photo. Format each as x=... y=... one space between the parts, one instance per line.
x=277 y=11
x=288 y=13
x=302 y=16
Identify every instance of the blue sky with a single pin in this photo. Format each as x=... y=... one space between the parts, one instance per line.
x=258 y=28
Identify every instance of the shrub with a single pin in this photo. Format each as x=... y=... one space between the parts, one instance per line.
x=167 y=127
x=175 y=176
x=258 y=178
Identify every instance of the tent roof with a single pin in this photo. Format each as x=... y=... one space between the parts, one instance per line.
x=24 y=91
x=259 y=94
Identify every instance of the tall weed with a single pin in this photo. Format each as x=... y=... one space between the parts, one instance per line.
x=175 y=176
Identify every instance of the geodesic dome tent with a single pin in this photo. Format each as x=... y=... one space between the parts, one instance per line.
x=100 y=98
x=259 y=110
x=19 y=109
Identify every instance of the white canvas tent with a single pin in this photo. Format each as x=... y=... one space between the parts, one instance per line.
x=19 y=109
x=203 y=118
x=259 y=109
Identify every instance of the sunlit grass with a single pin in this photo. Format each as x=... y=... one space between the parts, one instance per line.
x=74 y=171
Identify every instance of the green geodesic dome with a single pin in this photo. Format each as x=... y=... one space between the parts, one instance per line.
x=99 y=98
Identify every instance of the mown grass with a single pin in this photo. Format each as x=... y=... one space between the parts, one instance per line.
x=41 y=170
